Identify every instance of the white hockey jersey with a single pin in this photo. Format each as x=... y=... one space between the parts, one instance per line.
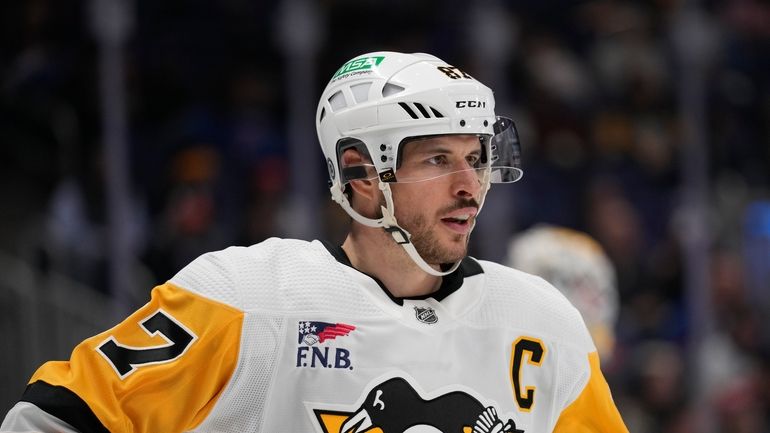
x=286 y=337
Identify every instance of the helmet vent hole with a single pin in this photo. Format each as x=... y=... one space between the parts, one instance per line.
x=361 y=92
x=436 y=113
x=323 y=114
x=337 y=101
x=422 y=109
x=391 y=89
x=408 y=110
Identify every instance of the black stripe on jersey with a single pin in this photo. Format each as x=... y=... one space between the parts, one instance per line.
x=63 y=404
x=449 y=284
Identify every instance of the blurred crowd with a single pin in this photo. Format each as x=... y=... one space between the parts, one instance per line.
x=595 y=90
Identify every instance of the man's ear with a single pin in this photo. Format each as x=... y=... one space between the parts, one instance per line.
x=367 y=190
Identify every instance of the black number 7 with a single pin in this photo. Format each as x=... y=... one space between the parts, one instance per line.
x=125 y=359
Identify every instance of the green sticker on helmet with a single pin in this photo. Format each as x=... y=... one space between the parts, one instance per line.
x=361 y=63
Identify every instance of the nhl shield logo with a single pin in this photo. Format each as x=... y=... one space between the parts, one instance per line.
x=426 y=315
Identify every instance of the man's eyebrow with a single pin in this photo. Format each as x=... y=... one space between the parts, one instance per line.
x=438 y=147
x=432 y=148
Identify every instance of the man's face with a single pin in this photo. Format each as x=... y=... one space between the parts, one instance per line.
x=439 y=212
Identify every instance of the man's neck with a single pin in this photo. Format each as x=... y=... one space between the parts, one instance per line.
x=372 y=252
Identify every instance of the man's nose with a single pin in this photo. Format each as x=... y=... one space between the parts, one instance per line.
x=466 y=183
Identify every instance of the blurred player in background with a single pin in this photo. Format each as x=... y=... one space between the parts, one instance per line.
x=578 y=266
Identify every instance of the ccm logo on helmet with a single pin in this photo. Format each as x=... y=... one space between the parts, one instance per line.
x=470 y=104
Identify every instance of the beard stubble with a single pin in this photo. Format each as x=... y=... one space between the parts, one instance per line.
x=426 y=241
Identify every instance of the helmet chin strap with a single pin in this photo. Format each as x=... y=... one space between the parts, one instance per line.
x=389 y=224
x=403 y=237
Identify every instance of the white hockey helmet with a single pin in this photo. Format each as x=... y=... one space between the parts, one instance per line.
x=379 y=101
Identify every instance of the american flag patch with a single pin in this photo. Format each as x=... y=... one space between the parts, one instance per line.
x=311 y=333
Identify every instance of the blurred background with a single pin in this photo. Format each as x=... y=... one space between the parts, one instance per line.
x=136 y=135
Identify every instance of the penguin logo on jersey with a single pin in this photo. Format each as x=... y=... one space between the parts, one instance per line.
x=394 y=406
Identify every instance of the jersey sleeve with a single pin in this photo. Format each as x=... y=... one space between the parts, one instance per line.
x=160 y=370
x=593 y=411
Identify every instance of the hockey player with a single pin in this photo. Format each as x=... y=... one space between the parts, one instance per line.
x=395 y=331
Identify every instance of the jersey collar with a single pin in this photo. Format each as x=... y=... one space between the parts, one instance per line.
x=449 y=283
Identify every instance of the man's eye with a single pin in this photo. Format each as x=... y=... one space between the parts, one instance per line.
x=437 y=160
x=473 y=160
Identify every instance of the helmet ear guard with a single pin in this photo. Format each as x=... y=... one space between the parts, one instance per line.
x=361 y=170
x=377 y=102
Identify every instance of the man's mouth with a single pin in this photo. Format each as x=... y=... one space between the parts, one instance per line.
x=459 y=221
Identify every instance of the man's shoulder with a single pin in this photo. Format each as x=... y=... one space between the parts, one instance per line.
x=235 y=273
x=530 y=302
x=274 y=249
x=502 y=277
x=236 y=259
